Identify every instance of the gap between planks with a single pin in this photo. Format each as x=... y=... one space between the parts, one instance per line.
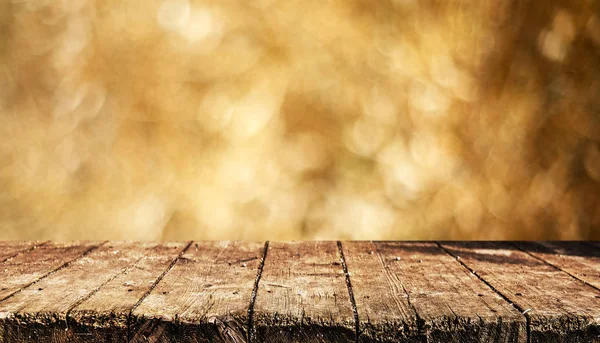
x=160 y=277
x=250 y=324
x=348 y=281
x=555 y=266
x=94 y=291
x=33 y=246
x=350 y=291
x=156 y=282
x=250 y=328
x=523 y=312
x=62 y=266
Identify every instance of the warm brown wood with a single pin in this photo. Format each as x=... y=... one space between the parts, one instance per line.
x=579 y=259
x=104 y=317
x=9 y=249
x=452 y=304
x=30 y=266
x=383 y=306
x=42 y=309
x=204 y=298
x=559 y=308
x=302 y=295
x=222 y=291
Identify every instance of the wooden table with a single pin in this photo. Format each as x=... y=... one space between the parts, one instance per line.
x=300 y=292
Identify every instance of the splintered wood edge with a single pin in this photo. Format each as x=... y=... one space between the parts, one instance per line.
x=237 y=325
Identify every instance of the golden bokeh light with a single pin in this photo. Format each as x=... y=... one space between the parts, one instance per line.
x=266 y=119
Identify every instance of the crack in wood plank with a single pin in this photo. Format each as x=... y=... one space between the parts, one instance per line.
x=524 y=312
x=313 y=288
x=158 y=280
x=251 y=333
x=16 y=251
x=375 y=295
x=316 y=308
x=106 y=313
x=553 y=265
x=392 y=280
x=350 y=291
x=196 y=300
x=94 y=291
x=559 y=308
x=52 y=271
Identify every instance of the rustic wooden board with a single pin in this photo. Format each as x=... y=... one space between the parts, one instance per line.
x=302 y=295
x=104 y=317
x=205 y=297
x=32 y=265
x=579 y=259
x=383 y=307
x=431 y=281
x=9 y=249
x=558 y=307
x=41 y=310
x=300 y=292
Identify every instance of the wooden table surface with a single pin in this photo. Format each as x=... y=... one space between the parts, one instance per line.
x=299 y=291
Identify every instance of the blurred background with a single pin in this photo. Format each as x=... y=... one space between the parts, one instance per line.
x=299 y=119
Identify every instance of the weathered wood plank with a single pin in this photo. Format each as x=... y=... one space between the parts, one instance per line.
x=384 y=311
x=104 y=316
x=41 y=310
x=302 y=295
x=576 y=258
x=430 y=280
x=453 y=303
x=10 y=249
x=408 y=292
x=30 y=266
x=203 y=298
x=559 y=308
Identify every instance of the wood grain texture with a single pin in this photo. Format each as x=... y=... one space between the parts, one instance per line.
x=576 y=258
x=41 y=311
x=430 y=281
x=32 y=265
x=384 y=310
x=302 y=295
x=301 y=292
x=204 y=298
x=559 y=308
x=104 y=317
x=10 y=249
x=454 y=305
